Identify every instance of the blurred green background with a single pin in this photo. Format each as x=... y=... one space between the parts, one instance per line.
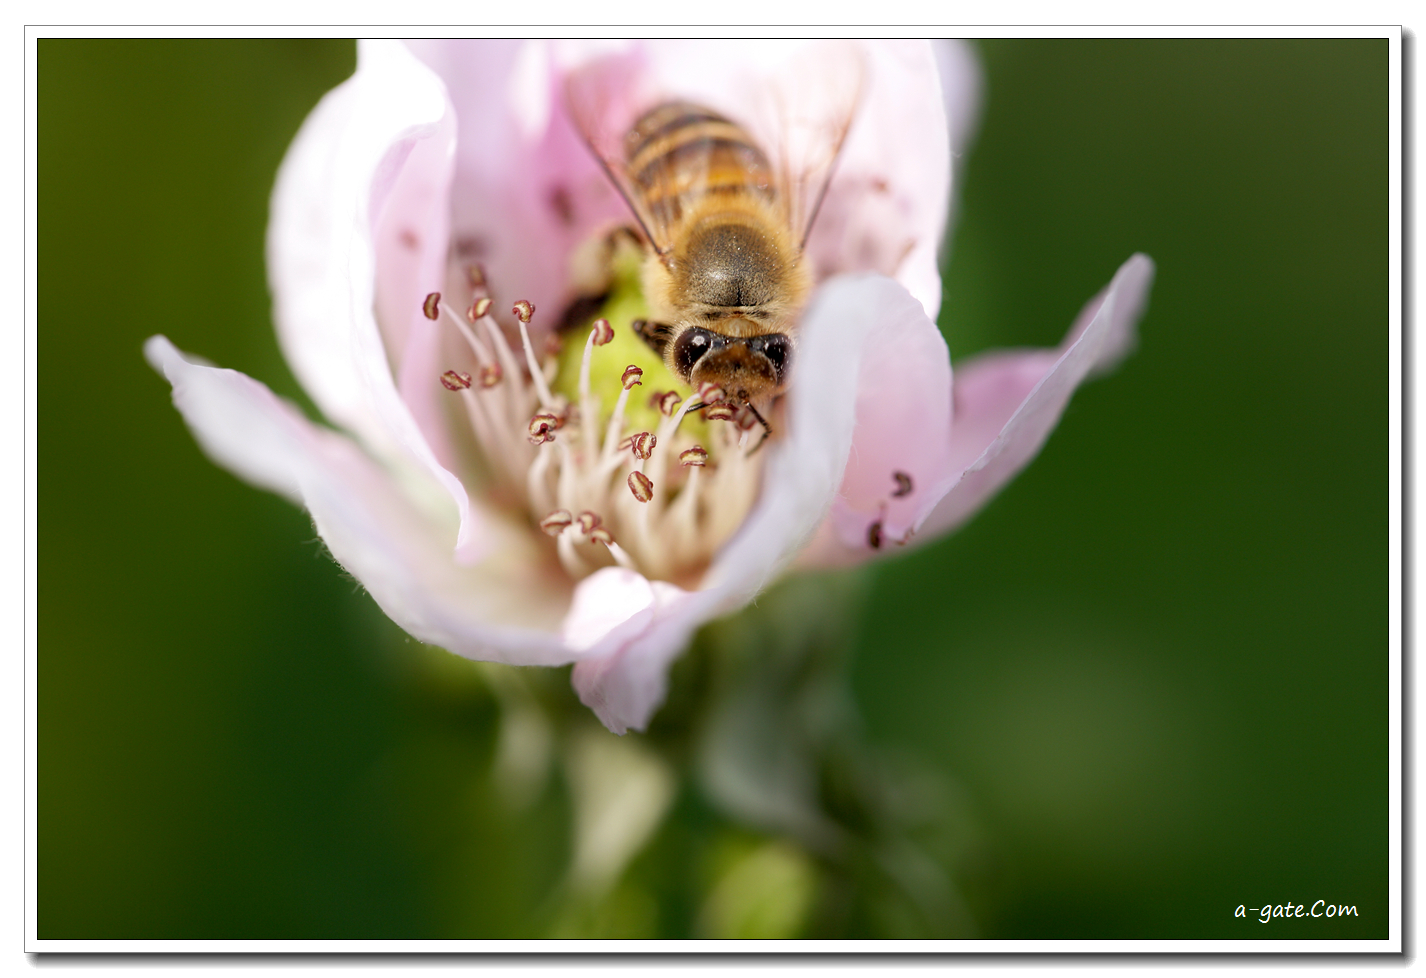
x=1154 y=670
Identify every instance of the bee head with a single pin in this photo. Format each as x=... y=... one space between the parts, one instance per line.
x=748 y=367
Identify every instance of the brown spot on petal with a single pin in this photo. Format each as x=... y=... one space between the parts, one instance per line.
x=631 y=378
x=562 y=204
x=904 y=485
x=409 y=239
x=555 y=523
x=455 y=380
x=641 y=486
x=874 y=537
x=523 y=310
x=432 y=306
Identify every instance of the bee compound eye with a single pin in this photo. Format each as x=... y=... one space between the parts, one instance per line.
x=775 y=347
x=690 y=347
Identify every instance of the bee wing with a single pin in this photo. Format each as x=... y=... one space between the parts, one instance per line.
x=812 y=106
x=604 y=98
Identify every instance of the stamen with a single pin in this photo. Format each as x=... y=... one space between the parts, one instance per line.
x=589 y=521
x=640 y=486
x=710 y=393
x=455 y=380
x=432 y=306
x=643 y=444
x=666 y=403
x=695 y=456
x=490 y=375
x=542 y=428
x=903 y=485
x=600 y=535
x=475 y=274
x=478 y=308
x=632 y=377
x=600 y=334
x=722 y=411
x=523 y=311
x=555 y=523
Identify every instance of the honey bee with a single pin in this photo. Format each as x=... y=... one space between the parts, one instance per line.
x=725 y=227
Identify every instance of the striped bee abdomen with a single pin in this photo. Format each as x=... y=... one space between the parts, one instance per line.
x=680 y=152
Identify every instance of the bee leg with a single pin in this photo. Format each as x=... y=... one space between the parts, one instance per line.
x=767 y=431
x=656 y=335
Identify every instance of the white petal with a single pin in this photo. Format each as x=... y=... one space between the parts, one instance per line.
x=386 y=131
x=997 y=429
x=503 y=610
x=623 y=677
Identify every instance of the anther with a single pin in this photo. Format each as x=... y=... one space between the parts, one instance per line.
x=601 y=535
x=874 y=536
x=542 y=428
x=490 y=375
x=641 y=486
x=455 y=380
x=432 y=306
x=696 y=456
x=643 y=444
x=475 y=274
x=631 y=378
x=588 y=520
x=478 y=309
x=722 y=411
x=903 y=485
x=667 y=402
x=555 y=523
x=523 y=310
x=602 y=331
x=710 y=393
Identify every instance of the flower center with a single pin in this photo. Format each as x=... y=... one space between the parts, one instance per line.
x=657 y=482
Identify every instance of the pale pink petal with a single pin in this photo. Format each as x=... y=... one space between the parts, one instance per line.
x=623 y=677
x=527 y=190
x=397 y=546
x=1007 y=403
x=961 y=85
x=903 y=424
x=350 y=156
x=887 y=206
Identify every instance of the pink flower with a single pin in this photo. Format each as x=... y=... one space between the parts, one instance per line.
x=477 y=504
